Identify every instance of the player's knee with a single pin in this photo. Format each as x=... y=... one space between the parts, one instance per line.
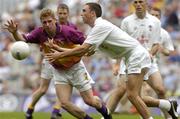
x=121 y=89
x=131 y=95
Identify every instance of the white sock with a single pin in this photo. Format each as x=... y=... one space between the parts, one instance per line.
x=150 y=117
x=164 y=104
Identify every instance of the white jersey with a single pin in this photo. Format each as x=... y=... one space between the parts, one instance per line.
x=110 y=39
x=165 y=40
x=146 y=31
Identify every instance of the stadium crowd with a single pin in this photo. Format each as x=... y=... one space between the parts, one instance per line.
x=21 y=77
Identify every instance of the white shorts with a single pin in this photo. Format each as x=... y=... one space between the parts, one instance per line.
x=154 y=68
x=137 y=59
x=77 y=76
x=46 y=70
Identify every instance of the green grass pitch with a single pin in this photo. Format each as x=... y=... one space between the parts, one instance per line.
x=41 y=115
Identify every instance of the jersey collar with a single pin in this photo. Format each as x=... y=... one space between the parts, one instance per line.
x=146 y=16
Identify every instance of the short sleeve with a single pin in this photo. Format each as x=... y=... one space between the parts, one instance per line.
x=167 y=42
x=98 y=34
x=33 y=36
x=124 y=25
x=156 y=33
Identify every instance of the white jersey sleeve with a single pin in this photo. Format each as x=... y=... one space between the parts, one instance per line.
x=124 y=26
x=166 y=40
x=97 y=35
x=156 y=33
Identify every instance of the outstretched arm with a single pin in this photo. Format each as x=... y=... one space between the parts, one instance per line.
x=12 y=27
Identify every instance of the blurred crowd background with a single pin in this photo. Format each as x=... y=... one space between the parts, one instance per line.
x=18 y=79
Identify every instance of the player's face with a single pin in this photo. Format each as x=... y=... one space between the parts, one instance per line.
x=62 y=15
x=87 y=14
x=48 y=23
x=140 y=6
x=155 y=13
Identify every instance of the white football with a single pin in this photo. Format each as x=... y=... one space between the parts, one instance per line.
x=20 y=50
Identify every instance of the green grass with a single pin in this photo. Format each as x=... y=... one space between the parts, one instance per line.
x=41 y=115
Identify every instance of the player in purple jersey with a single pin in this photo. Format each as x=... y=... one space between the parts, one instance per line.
x=63 y=14
x=65 y=80
x=46 y=71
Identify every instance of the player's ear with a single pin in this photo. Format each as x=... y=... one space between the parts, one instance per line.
x=93 y=13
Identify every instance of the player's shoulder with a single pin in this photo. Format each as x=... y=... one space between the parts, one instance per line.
x=38 y=30
x=164 y=32
x=102 y=23
x=72 y=25
x=153 y=18
x=128 y=18
x=66 y=28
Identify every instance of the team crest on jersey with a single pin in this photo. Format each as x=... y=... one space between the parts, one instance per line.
x=85 y=76
x=150 y=27
x=135 y=28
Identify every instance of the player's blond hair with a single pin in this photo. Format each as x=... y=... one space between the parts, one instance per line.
x=46 y=12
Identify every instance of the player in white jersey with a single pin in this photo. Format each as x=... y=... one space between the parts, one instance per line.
x=166 y=45
x=112 y=41
x=146 y=29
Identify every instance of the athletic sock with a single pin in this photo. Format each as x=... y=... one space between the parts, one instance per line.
x=87 y=117
x=55 y=111
x=164 y=104
x=103 y=110
x=29 y=111
x=148 y=118
x=30 y=106
x=57 y=107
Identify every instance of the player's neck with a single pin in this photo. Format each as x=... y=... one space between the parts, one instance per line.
x=52 y=33
x=92 y=22
x=141 y=15
x=63 y=22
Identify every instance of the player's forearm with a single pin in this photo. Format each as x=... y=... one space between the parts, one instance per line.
x=78 y=51
x=17 y=36
x=60 y=49
x=166 y=52
x=154 y=49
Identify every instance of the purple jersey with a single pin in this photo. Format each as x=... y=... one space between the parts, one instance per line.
x=64 y=34
x=65 y=37
x=71 y=25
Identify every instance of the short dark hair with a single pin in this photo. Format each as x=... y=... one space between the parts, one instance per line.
x=63 y=6
x=156 y=9
x=95 y=7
